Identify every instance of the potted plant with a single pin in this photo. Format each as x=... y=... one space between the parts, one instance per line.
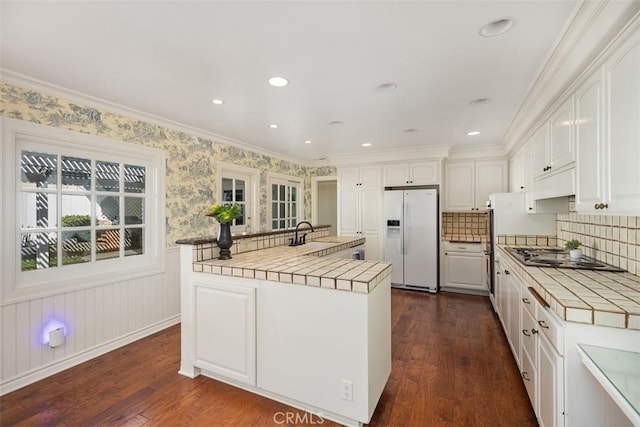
x=572 y=246
x=224 y=214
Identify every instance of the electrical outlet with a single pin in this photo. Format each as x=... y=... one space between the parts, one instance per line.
x=346 y=391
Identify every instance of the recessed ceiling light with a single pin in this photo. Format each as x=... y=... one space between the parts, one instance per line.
x=479 y=101
x=497 y=27
x=410 y=130
x=366 y=144
x=273 y=126
x=217 y=101
x=278 y=81
x=308 y=141
x=336 y=122
x=386 y=87
x=473 y=133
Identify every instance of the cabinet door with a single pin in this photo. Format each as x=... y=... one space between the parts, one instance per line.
x=515 y=326
x=459 y=182
x=550 y=385
x=371 y=208
x=590 y=152
x=226 y=331
x=348 y=177
x=539 y=149
x=623 y=73
x=490 y=177
x=348 y=210
x=424 y=173
x=395 y=175
x=464 y=271
x=517 y=172
x=371 y=176
x=561 y=144
x=530 y=379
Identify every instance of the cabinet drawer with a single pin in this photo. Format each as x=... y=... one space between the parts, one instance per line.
x=463 y=247
x=551 y=328
x=529 y=337
x=529 y=377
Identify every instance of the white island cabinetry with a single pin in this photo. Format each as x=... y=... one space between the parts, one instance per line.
x=297 y=343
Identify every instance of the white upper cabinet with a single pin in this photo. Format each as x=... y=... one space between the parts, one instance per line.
x=608 y=135
x=417 y=173
x=468 y=184
x=459 y=186
x=622 y=74
x=360 y=206
x=553 y=146
x=589 y=139
x=517 y=171
x=561 y=141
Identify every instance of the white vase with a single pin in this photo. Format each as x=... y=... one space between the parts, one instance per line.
x=575 y=253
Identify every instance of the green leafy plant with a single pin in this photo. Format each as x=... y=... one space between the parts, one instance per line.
x=76 y=220
x=572 y=244
x=224 y=214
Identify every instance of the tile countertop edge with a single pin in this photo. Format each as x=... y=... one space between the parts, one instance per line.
x=560 y=308
x=274 y=268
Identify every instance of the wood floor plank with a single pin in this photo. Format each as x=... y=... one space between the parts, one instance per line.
x=451 y=367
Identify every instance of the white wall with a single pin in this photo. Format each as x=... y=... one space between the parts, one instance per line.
x=97 y=320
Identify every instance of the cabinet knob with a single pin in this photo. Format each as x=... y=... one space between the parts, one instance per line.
x=446 y=253
x=530 y=208
x=526 y=301
x=506 y=272
x=605 y=206
x=534 y=331
x=522 y=187
x=596 y=206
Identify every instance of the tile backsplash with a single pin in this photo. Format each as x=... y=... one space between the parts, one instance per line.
x=465 y=225
x=608 y=238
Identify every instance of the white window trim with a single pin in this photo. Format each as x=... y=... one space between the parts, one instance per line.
x=252 y=193
x=300 y=204
x=19 y=286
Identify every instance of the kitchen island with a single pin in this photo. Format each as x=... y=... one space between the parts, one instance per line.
x=293 y=324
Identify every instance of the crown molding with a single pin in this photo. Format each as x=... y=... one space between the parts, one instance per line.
x=476 y=152
x=31 y=83
x=594 y=24
x=367 y=156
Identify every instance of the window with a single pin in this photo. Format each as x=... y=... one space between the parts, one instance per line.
x=77 y=210
x=285 y=201
x=87 y=210
x=236 y=184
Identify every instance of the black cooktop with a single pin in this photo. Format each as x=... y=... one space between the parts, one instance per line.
x=558 y=258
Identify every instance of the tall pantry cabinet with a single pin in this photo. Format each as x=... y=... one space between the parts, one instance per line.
x=360 y=206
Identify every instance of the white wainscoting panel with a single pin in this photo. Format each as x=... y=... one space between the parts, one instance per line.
x=96 y=320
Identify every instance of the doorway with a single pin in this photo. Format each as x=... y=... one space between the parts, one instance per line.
x=324 y=202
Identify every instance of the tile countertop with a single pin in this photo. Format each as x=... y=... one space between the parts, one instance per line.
x=585 y=296
x=304 y=265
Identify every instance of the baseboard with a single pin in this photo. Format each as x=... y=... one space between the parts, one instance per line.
x=68 y=362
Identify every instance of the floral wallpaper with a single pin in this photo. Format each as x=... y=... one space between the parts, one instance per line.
x=191 y=160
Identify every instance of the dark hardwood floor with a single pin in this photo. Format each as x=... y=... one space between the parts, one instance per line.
x=451 y=367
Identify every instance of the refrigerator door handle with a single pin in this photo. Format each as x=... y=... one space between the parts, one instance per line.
x=404 y=219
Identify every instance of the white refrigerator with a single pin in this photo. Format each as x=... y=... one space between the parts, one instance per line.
x=411 y=238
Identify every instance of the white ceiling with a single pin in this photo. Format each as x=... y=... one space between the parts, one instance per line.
x=171 y=58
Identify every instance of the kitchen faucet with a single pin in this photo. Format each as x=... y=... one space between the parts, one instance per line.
x=302 y=240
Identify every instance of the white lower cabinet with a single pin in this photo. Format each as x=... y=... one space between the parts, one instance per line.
x=228 y=350
x=550 y=384
x=464 y=267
